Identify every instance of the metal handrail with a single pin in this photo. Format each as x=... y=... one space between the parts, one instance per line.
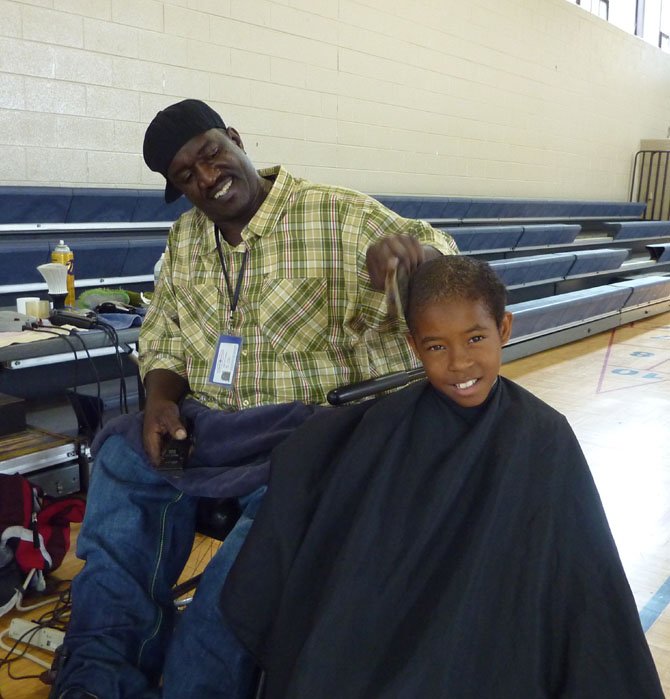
x=649 y=183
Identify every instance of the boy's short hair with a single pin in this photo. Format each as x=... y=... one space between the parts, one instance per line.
x=455 y=276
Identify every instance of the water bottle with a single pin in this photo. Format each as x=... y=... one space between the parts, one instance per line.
x=62 y=254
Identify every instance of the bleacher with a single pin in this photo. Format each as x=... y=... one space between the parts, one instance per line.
x=116 y=235
x=571 y=267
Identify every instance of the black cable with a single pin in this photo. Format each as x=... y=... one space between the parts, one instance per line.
x=99 y=406
x=55 y=618
x=113 y=337
x=72 y=347
x=123 y=391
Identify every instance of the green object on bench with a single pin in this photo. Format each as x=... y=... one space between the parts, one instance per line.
x=94 y=297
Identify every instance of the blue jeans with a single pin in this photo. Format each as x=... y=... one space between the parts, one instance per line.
x=124 y=636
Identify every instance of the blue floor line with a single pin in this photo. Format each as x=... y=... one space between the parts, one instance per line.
x=655 y=606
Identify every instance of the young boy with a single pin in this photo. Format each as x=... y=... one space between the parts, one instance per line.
x=444 y=541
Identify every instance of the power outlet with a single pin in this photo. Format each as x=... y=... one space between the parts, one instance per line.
x=35 y=635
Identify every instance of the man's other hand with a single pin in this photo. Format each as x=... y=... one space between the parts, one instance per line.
x=381 y=257
x=161 y=423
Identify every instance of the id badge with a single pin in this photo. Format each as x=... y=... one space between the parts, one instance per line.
x=226 y=358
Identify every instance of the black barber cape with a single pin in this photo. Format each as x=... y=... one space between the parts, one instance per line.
x=410 y=549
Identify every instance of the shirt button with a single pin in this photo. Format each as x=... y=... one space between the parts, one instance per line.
x=244 y=353
x=245 y=403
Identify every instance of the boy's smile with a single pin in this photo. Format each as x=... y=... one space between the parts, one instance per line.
x=460 y=347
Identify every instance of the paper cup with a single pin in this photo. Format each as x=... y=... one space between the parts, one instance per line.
x=22 y=303
x=38 y=308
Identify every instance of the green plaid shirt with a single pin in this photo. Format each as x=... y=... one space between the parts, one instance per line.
x=307 y=315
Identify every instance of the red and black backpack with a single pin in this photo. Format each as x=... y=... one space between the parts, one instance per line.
x=34 y=527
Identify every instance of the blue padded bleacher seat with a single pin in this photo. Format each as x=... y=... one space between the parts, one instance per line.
x=426 y=207
x=660 y=252
x=99 y=258
x=150 y=205
x=485 y=238
x=515 y=208
x=628 y=230
x=39 y=205
x=517 y=271
x=101 y=205
x=91 y=205
x=600 y=260
x=143 y=253
x=645 y=290
x=540 y=234
x=513 y=237
x=20 y=205
x=19 y=260
x=564 y=310
x=613 y=209
x=407 y=206
x=483 y=208
x=443 y=208
x=551 y=208
x=87 y=205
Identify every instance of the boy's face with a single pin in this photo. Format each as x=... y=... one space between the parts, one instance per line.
x=460 y=347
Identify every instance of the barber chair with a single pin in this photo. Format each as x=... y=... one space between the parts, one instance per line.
x=215 y=518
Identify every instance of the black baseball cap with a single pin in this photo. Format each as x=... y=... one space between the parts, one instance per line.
x=170 y=129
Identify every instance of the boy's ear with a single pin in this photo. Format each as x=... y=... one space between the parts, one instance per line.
x=506 y=327
x=412 y=344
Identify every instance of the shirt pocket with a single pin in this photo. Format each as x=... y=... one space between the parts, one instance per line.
x=201 y=312
x=294 y=315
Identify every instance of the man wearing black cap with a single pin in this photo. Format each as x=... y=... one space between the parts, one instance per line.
x=271 y=294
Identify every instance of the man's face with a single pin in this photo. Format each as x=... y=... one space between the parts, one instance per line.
x=460 y=347
x=218 y=178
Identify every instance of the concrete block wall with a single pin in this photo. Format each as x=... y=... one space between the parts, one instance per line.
x=532 y=98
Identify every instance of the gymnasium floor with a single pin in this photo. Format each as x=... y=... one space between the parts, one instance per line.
x=614 y=389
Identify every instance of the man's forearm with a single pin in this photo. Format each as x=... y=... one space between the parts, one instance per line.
x=163 y=384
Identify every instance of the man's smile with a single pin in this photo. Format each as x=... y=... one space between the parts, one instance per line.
x=224 y=189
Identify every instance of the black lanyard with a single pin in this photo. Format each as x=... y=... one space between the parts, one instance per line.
x=233 y=295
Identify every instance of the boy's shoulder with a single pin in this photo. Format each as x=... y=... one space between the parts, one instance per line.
x=532 y=407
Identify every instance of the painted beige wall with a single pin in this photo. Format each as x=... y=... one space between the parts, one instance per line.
x=483 y=98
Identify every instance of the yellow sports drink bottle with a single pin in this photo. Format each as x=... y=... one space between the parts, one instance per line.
x=62 y=253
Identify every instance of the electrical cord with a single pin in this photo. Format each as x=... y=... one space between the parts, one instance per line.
x=72 y=348
x=21 y=654
x=19 y=605
x=113 y=338
x=67 y=339
x=99 y=405
x=56 y=618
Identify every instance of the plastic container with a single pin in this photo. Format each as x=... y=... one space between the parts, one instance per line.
x=62 y=253
x=157 y=268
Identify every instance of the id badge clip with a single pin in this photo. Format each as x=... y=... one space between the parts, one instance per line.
x=226 y=360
